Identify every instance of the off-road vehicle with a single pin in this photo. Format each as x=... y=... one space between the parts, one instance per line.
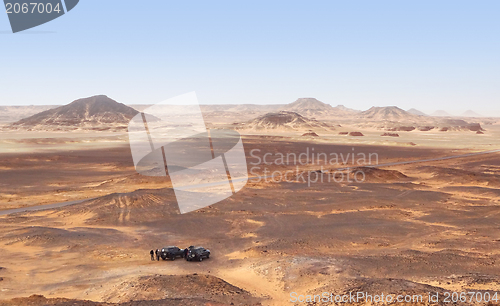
x=197 y=254
x=171 y=252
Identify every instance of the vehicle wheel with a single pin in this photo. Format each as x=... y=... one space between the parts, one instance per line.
x=173 y=258
x=200 y=259
x=208 y=256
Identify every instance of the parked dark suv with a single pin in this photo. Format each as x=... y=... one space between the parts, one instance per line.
x=171 y=252
x=197 y=253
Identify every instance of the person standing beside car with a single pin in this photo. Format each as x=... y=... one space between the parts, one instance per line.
x=157 y=255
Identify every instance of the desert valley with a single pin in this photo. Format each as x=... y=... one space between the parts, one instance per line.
x=77 y=222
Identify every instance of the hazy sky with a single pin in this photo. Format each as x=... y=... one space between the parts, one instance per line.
x=424 y=54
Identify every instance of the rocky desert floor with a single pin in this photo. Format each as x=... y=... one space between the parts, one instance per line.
x=409 y=228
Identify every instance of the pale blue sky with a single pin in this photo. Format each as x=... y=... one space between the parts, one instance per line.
x=424 y=54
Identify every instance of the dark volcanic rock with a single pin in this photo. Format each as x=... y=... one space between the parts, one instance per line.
x=87 y=112
x=458 y=124
x=356 y=134
x=188 y=290
x=425 y=128
x=380 y=174
x=390 y=134
x=402 y=128
x=310 y=134
x=475 y=127
x=406 y=128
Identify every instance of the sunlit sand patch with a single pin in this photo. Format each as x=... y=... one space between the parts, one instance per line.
x=259 y=223
x=250 y=253
x=249 y=235
x=244 y=228
x=257 y=281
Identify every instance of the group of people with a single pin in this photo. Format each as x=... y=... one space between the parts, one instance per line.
x=157 y=254
x=153 y=253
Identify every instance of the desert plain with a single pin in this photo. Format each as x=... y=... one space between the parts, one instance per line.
x=423 y=219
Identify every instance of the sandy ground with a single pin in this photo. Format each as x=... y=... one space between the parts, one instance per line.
x=420 y=227
x=53 y=170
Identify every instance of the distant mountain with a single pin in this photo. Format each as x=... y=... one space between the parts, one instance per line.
x=388 y=113
x=416 y=112
x=471 y=113
x=284 y=121
x=313 y=108
x=229 y=108
x=440 y=113
x=97 y=112
x=309 y=107
x=342 y=110
x=239 y=108
x=228 y=113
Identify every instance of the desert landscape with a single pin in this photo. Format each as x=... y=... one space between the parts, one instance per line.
x=381 y=200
